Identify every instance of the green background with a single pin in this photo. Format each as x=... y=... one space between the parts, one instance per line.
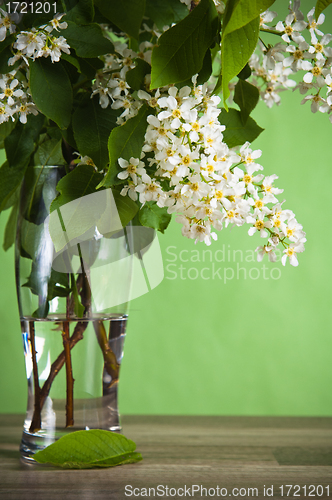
x=245 y=347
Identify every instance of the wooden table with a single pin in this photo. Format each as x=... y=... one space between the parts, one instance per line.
x=210 y=452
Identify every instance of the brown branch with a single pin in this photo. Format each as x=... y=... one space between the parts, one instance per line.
x=35 y=424
x=69 y=376
x=111 y=364
x=56 y=367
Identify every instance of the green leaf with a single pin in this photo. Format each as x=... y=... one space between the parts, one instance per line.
x=78 y=183
x=92 y=126
x=38 y=192
x=19 y=144
x=4 y=56
x=5 y=129
x=206 y=70
x=236 y=49
x=49 y=153
x=72 y=60
x=140 y=237
x=238 y=13
x=135 y=77
x=7 y=41
x=88 y=41
x=10 y=230
x=218 y=87
x=30 y=237
x=246 y=96
x=81 y=213
x=127 y=208
x=51 y=90
x=90 y=66
x=320 y=6
x=236 y=133
x=245 y=72
x=150 y=215
x=165 y=12
x=10 y=179
x=125 y=142
x=58 y=285
x=181 y=49
x=239 y=37
x=82 y=13
x=88 y=449
x=68 y=135
x=126 y=14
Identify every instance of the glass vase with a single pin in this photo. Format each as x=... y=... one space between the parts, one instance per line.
x=73 y=264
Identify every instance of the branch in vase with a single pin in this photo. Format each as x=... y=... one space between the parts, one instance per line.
x=55 y=368
x=36 y=422
x=111 y=364
x=69 y=376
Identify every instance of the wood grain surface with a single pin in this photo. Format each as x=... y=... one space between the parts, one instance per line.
x=210 y=452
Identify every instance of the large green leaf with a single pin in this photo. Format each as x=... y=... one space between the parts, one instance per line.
x=78 y=183
x=39 y=192
x=125 y=142
x=92 y=126
x=88 y=40
x=90 y=66
x=127 y=208
x=79 y=213
x=238 y=13
x=165 y=12
x=150 y=215
x=31 y=236
x=19 y=144
x=126 y=14
x=51 y=90
x=88 y=449
x=320 y=6
x=83 y=12
x=239 y=37
x=246 y=96
x=236 y=133
x=49 y=153
x=181 y=50
x=4 y=56
x=135 y=77
x=5 y=129
x=236 y=49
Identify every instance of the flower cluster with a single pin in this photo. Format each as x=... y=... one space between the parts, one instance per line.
x=110 y=83
x=7 y=25
x=14 y=88
x=41 y=43
x=187 y=167
x=273 y=65
x=15 y=99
